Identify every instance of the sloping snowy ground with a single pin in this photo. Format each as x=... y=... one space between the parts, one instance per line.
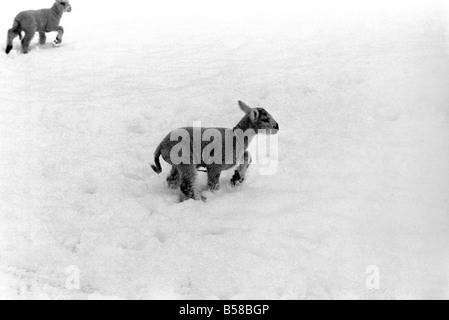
x=363 y=180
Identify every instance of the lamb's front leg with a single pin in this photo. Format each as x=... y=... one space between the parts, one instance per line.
x=58 y=40
x=240 y=173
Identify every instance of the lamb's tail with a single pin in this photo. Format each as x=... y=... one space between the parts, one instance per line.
x=157 y=167
x=17 y=28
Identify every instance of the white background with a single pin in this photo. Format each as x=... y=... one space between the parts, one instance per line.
x=359 y=89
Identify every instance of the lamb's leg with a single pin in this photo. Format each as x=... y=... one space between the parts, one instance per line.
x=213 y=178
x=174 y=179
x=58 y=40
x=42 y=38
x=26 y=41
x=12 y=34
x=188 y=177
x=241 y=171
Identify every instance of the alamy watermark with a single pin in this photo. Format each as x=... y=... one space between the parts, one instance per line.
x=73 y=280
x=373 y=280
x=218 y=146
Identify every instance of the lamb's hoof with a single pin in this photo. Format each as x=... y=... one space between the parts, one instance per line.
x=57 y=43
x=236 y=183
x=196 y=197
x=8 y=49
x=173 y=183
x=236 y=179
x=213 y=188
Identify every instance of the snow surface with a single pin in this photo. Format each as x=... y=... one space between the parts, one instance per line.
x=361 y=95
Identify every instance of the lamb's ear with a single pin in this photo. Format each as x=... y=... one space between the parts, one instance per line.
x=254 y=115
x=245 y=108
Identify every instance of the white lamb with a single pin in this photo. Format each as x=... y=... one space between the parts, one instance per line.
x=42 y=21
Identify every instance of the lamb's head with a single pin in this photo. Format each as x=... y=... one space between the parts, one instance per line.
x=64 y=5
x=260 y=119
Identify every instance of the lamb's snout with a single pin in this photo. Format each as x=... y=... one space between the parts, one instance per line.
x=66 y=5
x=274 y=129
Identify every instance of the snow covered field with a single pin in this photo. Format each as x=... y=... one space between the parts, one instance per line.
x=361 y=95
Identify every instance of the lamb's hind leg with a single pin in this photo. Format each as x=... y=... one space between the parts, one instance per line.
x=188 y=177
x=174 y=179
x=26 y=41
x=58 y=40
x=42 y=38
x=12 y=34
x=240 y=173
